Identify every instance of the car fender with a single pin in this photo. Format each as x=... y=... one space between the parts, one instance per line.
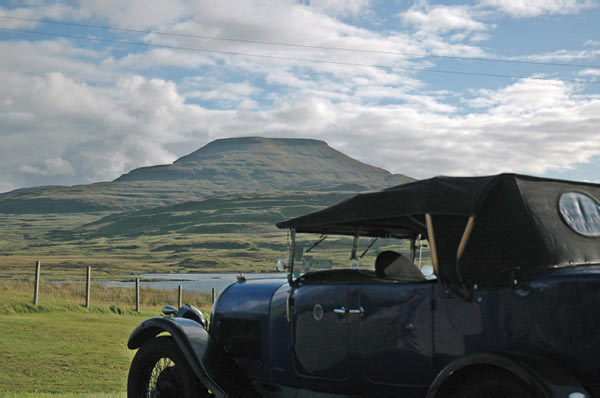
x=543 y=375
x=193 y=341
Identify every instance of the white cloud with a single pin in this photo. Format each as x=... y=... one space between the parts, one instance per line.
x=546 y=115
x=564 y=56
x=40 y=10
x=442 y=19
x=533 y=8
x=139 y=14
x=446 y=30
x=91 y=133
x=159 y=58
x=341 y=8
x=228 y=94
x=49 y=167
x=590 y=72
x=39 y=57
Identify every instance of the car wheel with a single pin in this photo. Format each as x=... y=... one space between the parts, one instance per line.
x=493 y=384
x=160 y=370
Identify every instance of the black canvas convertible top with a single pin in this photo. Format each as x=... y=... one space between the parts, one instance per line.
x=523 y=224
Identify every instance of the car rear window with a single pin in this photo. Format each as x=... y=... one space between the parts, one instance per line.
x=581 y=213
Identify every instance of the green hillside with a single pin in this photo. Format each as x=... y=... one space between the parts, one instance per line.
x=227 y=233
x=224 y=214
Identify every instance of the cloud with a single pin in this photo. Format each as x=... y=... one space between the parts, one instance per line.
x=590 y=72
x=341 y=8
x=139 y=14
x=533 y=8
x=441 y=19
x=446 y=30
x=38 y=10
x=22 y=58
x=159 y=58
x=49 y=167
x=90 y=133
x=563 y=56
x=549 y=116
x=226 y=95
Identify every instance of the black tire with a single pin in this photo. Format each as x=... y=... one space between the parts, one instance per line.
x=160 y=370
x=492 y=384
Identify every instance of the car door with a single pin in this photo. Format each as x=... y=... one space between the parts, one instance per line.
x=391 y=332
x=319 y=330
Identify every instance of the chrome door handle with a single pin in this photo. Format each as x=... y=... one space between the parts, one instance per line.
x=360 y=311
x=340 y=311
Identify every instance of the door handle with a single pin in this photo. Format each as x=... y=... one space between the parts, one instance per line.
x=340 y=311
x=359 y=311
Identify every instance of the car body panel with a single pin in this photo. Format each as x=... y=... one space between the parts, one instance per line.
x=193 y=341
x=517 y=262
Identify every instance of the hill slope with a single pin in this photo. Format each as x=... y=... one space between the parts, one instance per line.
x=225 y=166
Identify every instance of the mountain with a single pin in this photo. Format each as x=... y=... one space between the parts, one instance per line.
x=222 y=167
x=267 y=164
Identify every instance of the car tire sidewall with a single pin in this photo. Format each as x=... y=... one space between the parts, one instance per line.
x=163 y=346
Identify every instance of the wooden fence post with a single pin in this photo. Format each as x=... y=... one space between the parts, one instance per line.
x=180 y=297
x=88 y=281
x=213 y=295
x=36 y=287
x=137 y=294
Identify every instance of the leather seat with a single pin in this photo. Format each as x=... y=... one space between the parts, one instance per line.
x=393 y=265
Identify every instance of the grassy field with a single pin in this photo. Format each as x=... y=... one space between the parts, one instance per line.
x=25 y=239
x=61 y=347
x=232 y=233
x=61 y=395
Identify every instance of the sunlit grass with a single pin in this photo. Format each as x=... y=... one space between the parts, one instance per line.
x=43 y=395
x=61 y=347
x=17 y=298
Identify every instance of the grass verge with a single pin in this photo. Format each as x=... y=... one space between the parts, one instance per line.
x=63 y=348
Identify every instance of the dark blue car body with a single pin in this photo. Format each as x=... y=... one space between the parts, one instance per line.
x=346 y=333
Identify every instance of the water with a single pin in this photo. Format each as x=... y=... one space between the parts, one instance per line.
x=194 y=282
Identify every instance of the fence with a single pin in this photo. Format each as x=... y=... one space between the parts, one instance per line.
x=106 y=294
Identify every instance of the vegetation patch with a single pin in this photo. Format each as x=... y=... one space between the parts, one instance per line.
x=60 y=347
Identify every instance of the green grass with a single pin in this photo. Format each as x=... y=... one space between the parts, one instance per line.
x=16 y=297
x=57 y=352
x=231 y=233
x=60 y=347
x=63 y=395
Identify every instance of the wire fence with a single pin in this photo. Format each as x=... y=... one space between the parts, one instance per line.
x=95 y=293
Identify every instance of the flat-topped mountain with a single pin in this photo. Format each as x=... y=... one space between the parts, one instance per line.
x=269 y=163
x=224 y=166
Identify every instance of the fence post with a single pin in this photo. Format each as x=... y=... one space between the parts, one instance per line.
x=213 y=295
x=137 y=294
x=88 y=281
x=180 y=297
x=36 y=286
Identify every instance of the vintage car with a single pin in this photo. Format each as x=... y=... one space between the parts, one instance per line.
x=449 y=287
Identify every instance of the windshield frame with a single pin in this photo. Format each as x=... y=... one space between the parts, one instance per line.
x=292 y=280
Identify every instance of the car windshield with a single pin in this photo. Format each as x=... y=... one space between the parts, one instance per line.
x=315 y=253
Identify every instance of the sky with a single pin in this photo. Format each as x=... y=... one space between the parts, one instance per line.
x=92 y=89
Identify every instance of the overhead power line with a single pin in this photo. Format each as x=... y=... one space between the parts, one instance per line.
x=308 y=60
x=271 y=43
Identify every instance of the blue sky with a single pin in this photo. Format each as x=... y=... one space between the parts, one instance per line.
x=80 y=110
